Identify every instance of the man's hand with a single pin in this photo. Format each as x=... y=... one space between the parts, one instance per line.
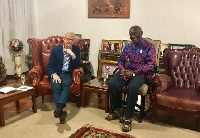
x=127 y=74
x=69 y=51
x=56 y=78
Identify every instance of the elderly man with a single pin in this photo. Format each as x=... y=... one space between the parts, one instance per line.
x=137 y=60
x=62 y=61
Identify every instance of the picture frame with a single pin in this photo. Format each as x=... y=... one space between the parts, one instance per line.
x=78 y=36
x=178 y=46
x=163 y=46
x=111 y=45
x=85 y=45
x=84 y=48
x=108 y=9
x=124 y=42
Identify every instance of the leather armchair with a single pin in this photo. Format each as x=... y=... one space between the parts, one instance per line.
x=41 y=49
x=178 y=91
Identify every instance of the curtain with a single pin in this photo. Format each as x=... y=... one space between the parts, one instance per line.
x=17 y=20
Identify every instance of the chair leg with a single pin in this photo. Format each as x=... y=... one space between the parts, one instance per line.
x=142 y=108
x=42 y=98
x=197 y=124
x=78 y=97
x=153 y=114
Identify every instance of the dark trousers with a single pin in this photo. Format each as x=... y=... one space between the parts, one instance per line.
x=115 y=85
x=61 y=90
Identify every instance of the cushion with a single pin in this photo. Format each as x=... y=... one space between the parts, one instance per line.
x=186 y=99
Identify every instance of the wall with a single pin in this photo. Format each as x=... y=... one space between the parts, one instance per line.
x=171 y=21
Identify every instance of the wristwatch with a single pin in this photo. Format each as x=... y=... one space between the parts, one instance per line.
x=133 y=74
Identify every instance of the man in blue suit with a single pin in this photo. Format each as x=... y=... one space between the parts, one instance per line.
x=62 y=61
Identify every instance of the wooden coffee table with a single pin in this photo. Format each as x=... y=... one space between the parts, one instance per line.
x=95 y=86
x=15 y=97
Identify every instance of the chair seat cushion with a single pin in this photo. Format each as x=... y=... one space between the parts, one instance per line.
x=143 y=90
x=186 y=99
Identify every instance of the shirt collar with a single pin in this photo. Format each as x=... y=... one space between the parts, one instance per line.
x=64 y=49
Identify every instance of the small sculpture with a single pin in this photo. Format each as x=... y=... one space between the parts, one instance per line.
x=16 y=47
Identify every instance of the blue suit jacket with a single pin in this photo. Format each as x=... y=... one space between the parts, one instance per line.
x=56 y=60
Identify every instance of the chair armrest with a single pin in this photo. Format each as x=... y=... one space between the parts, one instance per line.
x=76 y=75
x=161 y=82
x=36 y=74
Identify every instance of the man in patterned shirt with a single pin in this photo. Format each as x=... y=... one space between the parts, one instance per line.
x=137 y=60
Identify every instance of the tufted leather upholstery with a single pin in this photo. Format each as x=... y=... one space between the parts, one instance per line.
x=41 y=49
x=178 y=91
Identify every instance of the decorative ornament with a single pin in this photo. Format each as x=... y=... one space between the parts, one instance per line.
x=107 y=67
x=16 y=47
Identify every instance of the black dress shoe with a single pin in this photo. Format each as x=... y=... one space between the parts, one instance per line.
x=62 y=117
x=57 y=113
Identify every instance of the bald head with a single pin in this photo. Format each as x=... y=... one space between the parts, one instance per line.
x=136 y=33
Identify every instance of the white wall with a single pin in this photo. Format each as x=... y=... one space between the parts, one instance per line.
x=171 y=21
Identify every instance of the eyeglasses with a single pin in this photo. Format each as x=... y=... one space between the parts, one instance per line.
x=68 y=39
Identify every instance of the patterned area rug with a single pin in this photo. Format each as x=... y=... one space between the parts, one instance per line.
x=89 y=131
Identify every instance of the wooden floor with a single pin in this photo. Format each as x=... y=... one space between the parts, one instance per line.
x=26 y=104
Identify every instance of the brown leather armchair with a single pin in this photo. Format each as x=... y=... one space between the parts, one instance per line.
x=41 y=49
x=178 y=91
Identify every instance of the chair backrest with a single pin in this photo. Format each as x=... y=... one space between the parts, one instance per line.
x=183 y=65
x=47 y=45
x=157 y=46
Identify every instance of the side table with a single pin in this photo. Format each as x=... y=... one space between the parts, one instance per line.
x=15 y=97
x=95 y=86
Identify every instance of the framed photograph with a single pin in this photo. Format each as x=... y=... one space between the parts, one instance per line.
x=84 y=48
x=106 y=67
x=124 y=42
x=108 y=8
x=111 y=45
x=78 y=36
x=178 y=46
x=85 y=45
x=162 y=48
